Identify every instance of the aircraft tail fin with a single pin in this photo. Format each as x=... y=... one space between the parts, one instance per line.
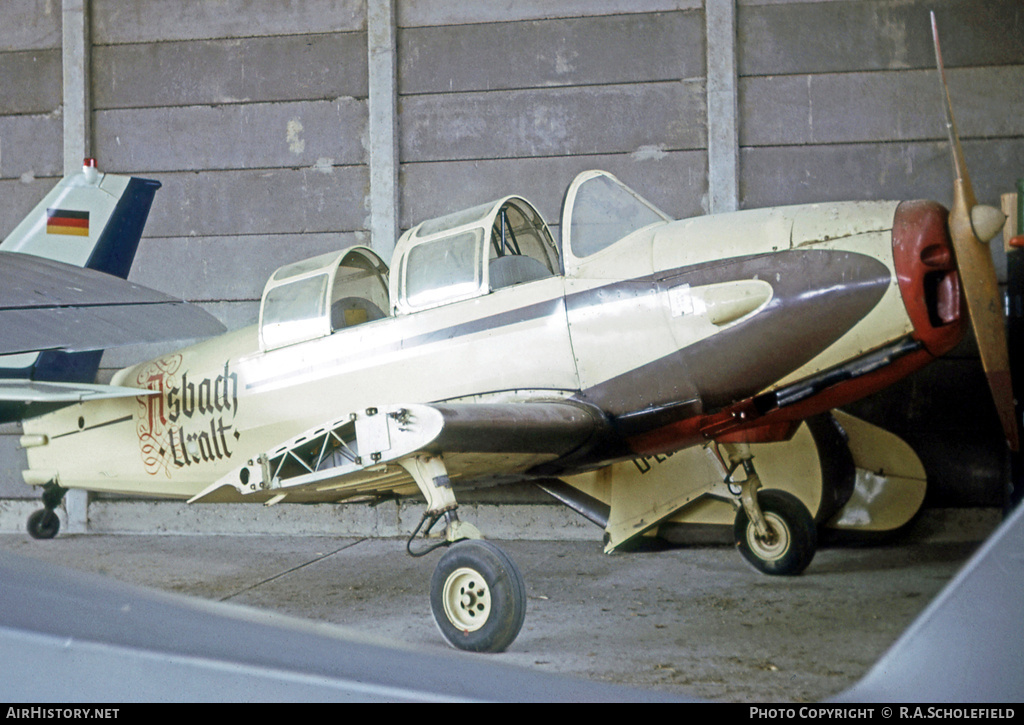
x=91 y=220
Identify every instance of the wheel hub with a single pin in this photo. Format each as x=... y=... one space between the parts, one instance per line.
x=773 y=546
x=467 y=599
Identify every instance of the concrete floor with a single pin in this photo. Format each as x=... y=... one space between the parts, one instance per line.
x=693 y=621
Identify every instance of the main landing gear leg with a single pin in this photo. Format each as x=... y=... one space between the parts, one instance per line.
x=477 y=594
x=44 y=523
x=773 y=530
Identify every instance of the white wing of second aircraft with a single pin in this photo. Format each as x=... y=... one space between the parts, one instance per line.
x=63 y=289
x=50 y=305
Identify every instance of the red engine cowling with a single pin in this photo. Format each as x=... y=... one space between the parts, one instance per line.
x=928 y=276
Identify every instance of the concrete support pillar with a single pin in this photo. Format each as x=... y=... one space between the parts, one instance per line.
x=77 y=145
x=77 y=96
x=723 y=127
x=381 y=26
x=76 y=505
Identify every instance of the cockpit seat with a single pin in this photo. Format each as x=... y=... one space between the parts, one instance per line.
x=515 y=269
x=351 y=311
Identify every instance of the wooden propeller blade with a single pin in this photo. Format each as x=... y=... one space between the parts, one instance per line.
x=978 y=276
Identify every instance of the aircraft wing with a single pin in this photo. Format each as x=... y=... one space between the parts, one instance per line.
x=364 y=452
x=50 y=305
x=34 y=391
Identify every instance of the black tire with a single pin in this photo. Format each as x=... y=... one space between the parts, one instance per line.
x=797 y=537
x=478 y=597
x=43 y=524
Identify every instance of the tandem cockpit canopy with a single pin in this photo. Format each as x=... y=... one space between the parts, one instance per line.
x=488 y=248
x=471 y=253
x=315 y=297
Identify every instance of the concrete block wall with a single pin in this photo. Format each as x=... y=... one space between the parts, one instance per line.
x=492 y=104
x=256 y=121
x=841 y=99
x=30 y=106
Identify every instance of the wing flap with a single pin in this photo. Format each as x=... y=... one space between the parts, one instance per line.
x=363 y=452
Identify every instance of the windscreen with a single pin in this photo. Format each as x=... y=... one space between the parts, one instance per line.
x=604 y=212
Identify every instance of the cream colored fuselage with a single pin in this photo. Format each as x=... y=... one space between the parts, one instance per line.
x=223 y=402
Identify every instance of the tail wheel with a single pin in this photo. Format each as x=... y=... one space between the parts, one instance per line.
x=43 y=524
x=793 y=540
x=478 y=597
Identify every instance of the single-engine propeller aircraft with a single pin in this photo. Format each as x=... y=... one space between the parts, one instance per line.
x=488 y=353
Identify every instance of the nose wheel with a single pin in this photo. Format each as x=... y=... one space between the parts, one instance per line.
x=478 y=597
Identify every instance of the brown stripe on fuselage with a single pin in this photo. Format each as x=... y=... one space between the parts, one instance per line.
x=818 y=295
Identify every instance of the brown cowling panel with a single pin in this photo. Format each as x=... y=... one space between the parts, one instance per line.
x=818 y=295
x=556 y=427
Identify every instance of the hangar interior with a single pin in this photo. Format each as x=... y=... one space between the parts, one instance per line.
x=282 y=130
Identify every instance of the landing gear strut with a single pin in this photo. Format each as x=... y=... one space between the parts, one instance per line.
x=773 y=530
x=44 y=523
x=477 y=593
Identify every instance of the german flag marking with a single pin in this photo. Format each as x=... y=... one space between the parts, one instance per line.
x=65 y=221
